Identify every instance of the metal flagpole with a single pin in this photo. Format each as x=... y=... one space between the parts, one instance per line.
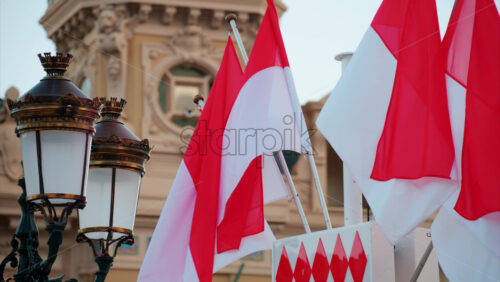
x=422 y=262
x=230 y=18
x=309 y=150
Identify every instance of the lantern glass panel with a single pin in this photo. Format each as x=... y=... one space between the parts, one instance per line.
x=97 y=211
x=99 y=200
x=30 y=163
x=64 y=160
x=126 y=196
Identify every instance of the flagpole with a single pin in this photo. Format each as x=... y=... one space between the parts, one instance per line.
x=230 y=18
x=422 y=262
x=309 y=150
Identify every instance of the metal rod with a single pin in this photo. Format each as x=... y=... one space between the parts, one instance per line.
x=422 y=262
x=238 y=274
x=294 y=192
x=231 y=19
x=306 y=144
x=319 y=190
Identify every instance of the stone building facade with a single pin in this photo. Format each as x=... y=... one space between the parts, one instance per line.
x=157 y=55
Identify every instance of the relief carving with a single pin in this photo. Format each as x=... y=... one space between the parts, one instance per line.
x=113 y=29
x=10 y=148
x=190 y=42
x=168 y=15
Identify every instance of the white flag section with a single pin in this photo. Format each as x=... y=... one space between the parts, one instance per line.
x=214 y=212
x=376 y=114
x=466 y=232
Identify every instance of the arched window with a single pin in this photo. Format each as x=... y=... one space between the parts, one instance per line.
x=176 y=91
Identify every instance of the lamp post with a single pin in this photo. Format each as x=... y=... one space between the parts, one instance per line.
x=55 y=124
x=116 y=169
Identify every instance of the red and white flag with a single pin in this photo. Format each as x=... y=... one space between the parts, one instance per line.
x=214 y=212
x=466 y=232
x=388 y=120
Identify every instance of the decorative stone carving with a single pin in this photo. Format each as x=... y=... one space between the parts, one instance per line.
x=217 y=19
x=144 y=11
x=193 y=16
x=10 y=149
x=84 y=65
x=243 y=22
x=113 y=29
x=168 y=15
x=251 y=27
x=189 y=40
x=189 y=46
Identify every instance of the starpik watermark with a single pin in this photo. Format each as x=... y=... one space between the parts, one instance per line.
x=290 y=134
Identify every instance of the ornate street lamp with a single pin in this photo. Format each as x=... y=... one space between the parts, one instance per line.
x=55 y=123
x=116 y=169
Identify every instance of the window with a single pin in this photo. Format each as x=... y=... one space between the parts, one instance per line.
x=176 y=91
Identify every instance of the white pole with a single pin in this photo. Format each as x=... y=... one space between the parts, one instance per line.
x=294 y=192
x=231 y=19
x=353 y=204
x=306 y=143
x=422 y=262
x=319 y=190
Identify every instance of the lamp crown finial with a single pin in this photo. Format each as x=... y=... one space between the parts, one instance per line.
x=55 y=65
x=112 y=107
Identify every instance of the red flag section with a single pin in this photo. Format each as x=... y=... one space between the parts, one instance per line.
x=244 y=213
x=203 y=158
x=416 y=140
x=268 y=49
x=466 y=231
x=477 y=39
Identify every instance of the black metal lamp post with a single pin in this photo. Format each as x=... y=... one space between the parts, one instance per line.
x=116 y=169
x=55 y=123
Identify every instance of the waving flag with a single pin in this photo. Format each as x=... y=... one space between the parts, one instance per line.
x=388 y=120
x=214 y=212
x=466 y=232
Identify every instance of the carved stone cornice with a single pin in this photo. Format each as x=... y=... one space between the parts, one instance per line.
x=74 y=19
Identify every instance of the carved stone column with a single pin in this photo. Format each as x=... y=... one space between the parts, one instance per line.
x=113 y=31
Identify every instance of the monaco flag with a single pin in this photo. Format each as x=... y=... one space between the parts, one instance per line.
x=466 y=232
x=214 y=212
x=388 y=120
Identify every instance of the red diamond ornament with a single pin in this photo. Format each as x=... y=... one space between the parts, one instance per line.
x=284 y=272
x=339 y=262
x=321 y=266
x=357 y=260
x=302 y=272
